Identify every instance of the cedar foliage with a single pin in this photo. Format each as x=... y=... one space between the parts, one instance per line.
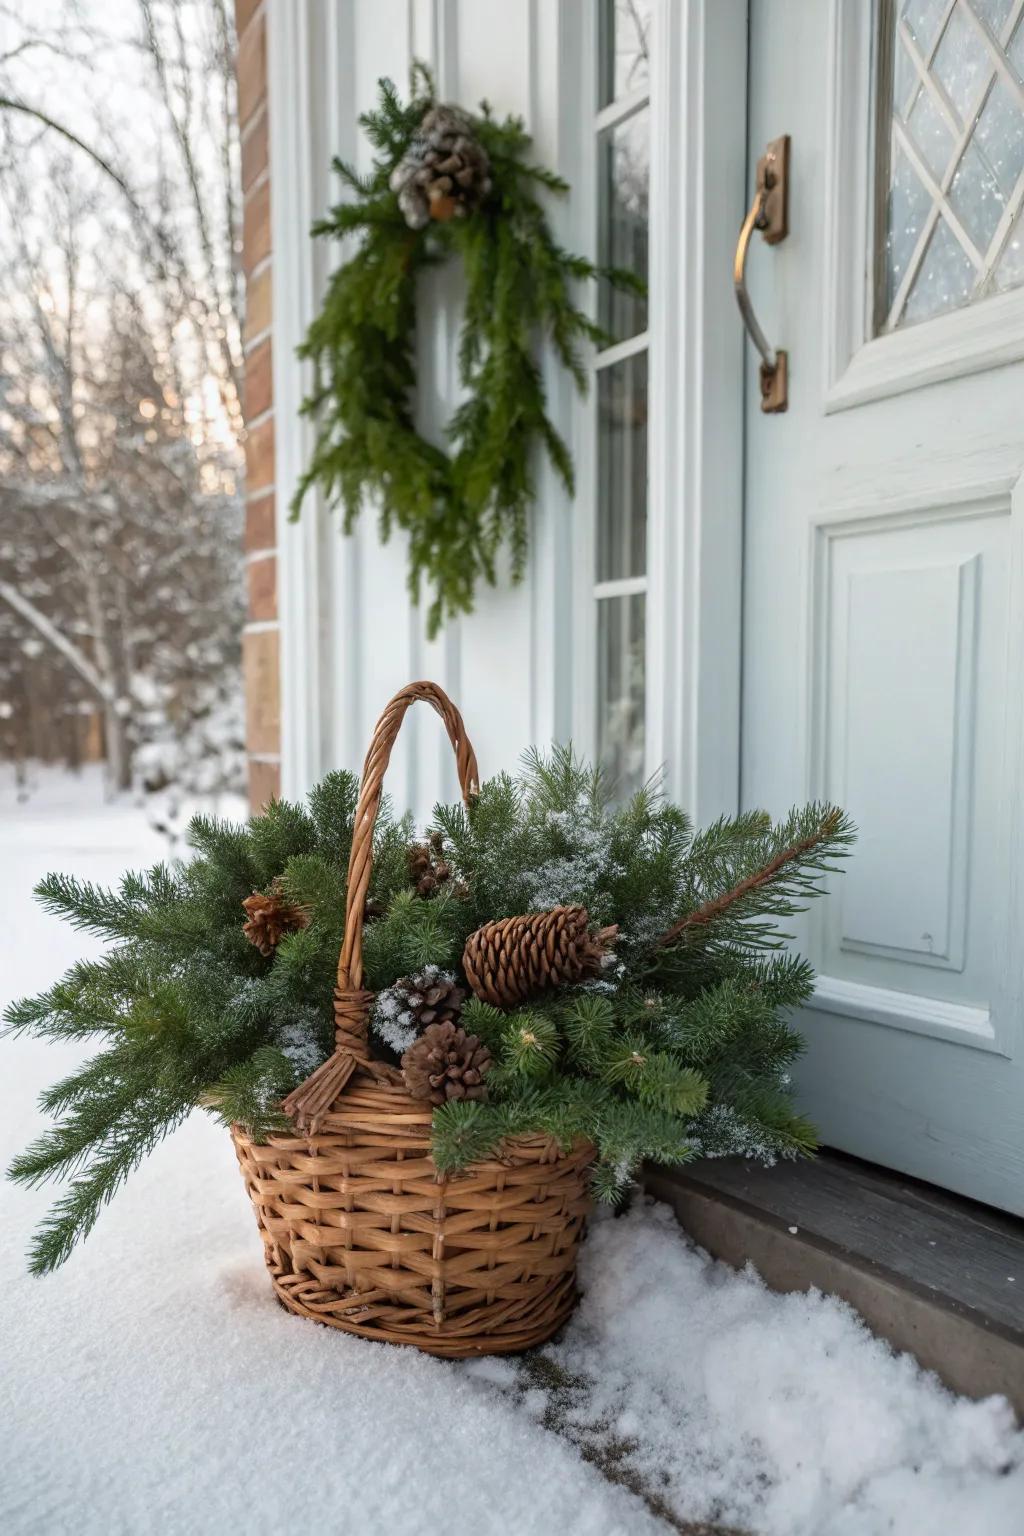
x=461 y=502
x=677 y=1048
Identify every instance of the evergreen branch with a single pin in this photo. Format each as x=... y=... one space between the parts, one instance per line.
x=828 y=837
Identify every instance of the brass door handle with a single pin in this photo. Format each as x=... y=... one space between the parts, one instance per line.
x=769 y=213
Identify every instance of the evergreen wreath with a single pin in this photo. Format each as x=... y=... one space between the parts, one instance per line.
x=445 y=183
x=654 y=1026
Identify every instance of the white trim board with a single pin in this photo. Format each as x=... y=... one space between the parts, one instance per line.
x=697 y=362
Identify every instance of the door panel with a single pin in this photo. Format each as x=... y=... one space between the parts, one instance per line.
x=883 y=535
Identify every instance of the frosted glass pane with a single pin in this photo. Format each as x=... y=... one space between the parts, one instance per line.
x=620 y=691
x=905 y=78
x=1016 y=50
x=954 y=162
x=923 y=18
x=999 y=136
x=908 y=207
x=994 y=12
x=945 y=278
x=622 y=469
x=625 y=62
x=962 y=63
x=932 y=135
x=977 y=198
x=624 y=161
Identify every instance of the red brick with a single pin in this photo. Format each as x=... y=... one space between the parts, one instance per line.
x=260 y=523
x=259 y=300
x=259 y=383
x=264 y=783
x=255 y=150
x=262 y=580
x=256 y=227
x=260 y=653
x=259 y=456
x=251 y=67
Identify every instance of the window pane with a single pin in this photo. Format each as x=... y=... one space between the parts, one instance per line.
x=623 y=161
x=622 y=469
x=620 y=691
x=625 y=48
x=953 y=166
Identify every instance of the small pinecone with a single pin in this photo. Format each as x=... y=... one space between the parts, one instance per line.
x=444 y=173
x=431 y=998
x=271 y=917
x=446 y=1063
x=428 y=869
x=508 y=961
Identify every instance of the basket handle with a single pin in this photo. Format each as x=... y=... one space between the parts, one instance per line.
x=360 y=864
x=308 y=1103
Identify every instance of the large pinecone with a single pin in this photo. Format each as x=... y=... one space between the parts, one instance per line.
x=445 y=172
x=271 y=917
x=511 y=960
x=446 y=1063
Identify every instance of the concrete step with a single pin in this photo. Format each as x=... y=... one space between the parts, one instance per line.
x=934 y=1274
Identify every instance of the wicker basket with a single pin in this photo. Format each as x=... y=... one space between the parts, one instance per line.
x=360 y=1230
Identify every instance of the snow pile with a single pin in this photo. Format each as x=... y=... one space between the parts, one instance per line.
x=154 y=1385
x=783 y=1414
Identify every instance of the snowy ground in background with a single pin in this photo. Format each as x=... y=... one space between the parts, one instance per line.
x=153 y=1384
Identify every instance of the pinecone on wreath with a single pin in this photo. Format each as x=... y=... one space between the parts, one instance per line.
x=445 y=172
x=509 y=961
x=271 y=916
x=446 y=1063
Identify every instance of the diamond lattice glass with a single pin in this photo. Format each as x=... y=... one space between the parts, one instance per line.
x=954 y=162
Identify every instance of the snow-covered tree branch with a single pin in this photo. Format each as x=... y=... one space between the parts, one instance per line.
x=120 y=352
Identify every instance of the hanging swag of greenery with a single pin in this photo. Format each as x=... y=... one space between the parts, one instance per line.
x=460 y=503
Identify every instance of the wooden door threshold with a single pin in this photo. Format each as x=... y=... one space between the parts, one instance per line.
x=934 y=1274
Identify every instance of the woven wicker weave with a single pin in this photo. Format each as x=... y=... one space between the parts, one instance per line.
x=360 y=1230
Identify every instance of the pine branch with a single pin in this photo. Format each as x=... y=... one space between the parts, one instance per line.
x=828 y=838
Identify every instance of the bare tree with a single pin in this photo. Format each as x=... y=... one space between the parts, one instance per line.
x=120 y=322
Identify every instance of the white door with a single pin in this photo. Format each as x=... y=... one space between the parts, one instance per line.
x=883 y=601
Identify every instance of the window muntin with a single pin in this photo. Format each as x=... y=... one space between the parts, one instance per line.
x=622 y=129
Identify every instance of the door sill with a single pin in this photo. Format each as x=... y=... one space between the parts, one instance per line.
x=937 y=1275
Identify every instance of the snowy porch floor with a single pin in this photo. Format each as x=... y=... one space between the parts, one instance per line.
x=929 y=1271
x=153 y=1385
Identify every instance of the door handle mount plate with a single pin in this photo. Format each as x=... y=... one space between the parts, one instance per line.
x=769 y=213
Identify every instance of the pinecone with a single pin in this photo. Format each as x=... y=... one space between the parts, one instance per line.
x=444 y=173
x=431 y=997
x=271 y=917
x=427 y=867
x=446 y=1063
x=508 y=961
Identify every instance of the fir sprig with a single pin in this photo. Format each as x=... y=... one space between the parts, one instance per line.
x=460 y=502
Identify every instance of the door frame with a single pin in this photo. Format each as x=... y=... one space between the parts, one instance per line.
x=697 y=360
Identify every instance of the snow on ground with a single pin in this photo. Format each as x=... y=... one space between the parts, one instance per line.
x=153 y=1385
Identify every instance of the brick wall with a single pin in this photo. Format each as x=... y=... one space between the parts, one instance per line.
x=260 y=649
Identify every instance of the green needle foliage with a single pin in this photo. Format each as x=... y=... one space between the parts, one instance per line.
x=681 y=1046
x=461 y=501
